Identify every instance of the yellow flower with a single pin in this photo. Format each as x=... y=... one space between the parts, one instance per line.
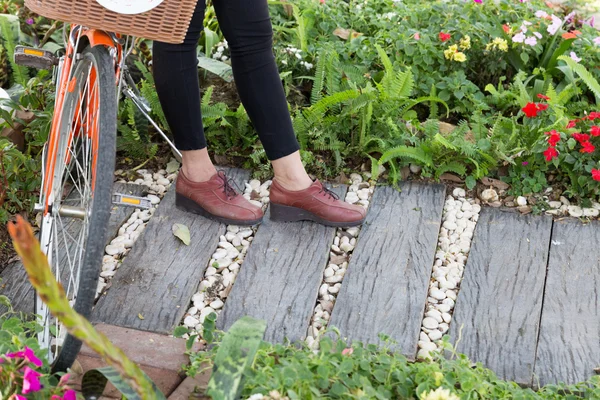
x=439 y=394
x=460 y=57
x=502 y=44
x=497 y=43
x=449 y=54
x=465 y=43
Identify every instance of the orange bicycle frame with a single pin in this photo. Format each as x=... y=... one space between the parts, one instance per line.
x=67 y=84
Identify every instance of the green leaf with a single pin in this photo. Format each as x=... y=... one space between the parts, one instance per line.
x=525 y=57
x=236 y=353
x=571 y=143
x=219 y=68
x=180 y=331
x=470 y=182
x=182 y=232
x=94 y=382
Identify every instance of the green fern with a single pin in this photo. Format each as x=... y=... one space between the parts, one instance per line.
x=413 y=153
x=452 y=166
x=585 y=76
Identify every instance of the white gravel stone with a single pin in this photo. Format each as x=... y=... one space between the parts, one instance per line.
x=489 y=195
x=521 y=201
x=190 y=321
x=435 y=335
x=351 y=197
x=430 y=323
x=437 y=294
x=329 y=272
x=114 y=249
x=575 y=211
x=591 y=212
x=217 y=304
x=554 y=204
x=435 y=314
x=429 y=346
x=346 y=247
x=153 y=199
x=210 y=271
x=459 y=192
x=353 y=231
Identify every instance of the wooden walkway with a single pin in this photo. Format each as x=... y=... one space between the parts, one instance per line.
x=528 y=306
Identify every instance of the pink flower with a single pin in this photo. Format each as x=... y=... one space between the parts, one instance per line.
x=64 y=380
x=417 y=36
x=16 y=397
x=28 y=355
x=478 y=1
x=531 y=40
x=574 y=57
x=29 y=21
x=348 y=351
x=31 y=383
x=597 y=41
x=70 y=395
x=524 y=163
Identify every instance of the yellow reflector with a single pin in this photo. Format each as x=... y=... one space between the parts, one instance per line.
x=34 y=52
x=129 y=200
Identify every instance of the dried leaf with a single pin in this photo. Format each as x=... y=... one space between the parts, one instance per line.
x=451 y=177
x=182 y=232
x=140 y=316
x=342 y=33
x=498 y=184
x=172 y=166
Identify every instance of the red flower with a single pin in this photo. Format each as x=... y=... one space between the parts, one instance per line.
x=587 y=147
x=594 y=115
x=543 y=97
x=541 y=107
x=595 y=131
x=569 y=35
x=550 y=153
x=596 y=174
x=444 y=37
x=554 y=138
x=581 y=137
x=506 y=28
x=530 y=110
x=572 y=124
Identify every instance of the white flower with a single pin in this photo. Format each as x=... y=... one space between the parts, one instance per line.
x=220 y=49
x=531 y=40
x=526 y=23
x=224 y=58
x=539 y=35
x=519 y=37
x=217 y=55
x=298 y=56
x=574 y=57
x=256 y=396
x=523 y=28
x=439 y=394
x=284 y=62
x=541 y=14
x=555 y=26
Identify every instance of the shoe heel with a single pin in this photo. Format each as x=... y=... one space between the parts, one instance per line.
x=281 y=213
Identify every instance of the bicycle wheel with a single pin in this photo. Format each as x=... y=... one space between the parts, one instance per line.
x=79 y=195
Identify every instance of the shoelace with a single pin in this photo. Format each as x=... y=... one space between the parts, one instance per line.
x=228 y=186
x=327 y=192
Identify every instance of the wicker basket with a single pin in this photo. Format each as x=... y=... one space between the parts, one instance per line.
x=168 y=22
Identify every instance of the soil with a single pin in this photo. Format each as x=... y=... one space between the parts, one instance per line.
x=7 y=252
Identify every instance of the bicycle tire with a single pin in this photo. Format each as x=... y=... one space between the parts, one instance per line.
x=98 y=208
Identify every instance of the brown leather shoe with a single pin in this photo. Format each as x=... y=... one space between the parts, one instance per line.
x=317 y=203
x=216 y=199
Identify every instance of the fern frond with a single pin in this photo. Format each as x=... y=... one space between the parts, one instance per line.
x=412 y=153
x=585 y=76
x=453 y=166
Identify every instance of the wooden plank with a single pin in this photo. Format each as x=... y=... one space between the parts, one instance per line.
x=13 y=280
x=280 y=278
x=159 y=276
x=385 y=288
x=569 y=342
x=497 y=314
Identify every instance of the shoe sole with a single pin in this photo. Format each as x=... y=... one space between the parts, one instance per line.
x=281 y=213
x=186 y=204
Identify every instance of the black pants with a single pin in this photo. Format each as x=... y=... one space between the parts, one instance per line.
x=246 y=25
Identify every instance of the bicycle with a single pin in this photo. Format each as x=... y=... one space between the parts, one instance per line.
x=79 y=157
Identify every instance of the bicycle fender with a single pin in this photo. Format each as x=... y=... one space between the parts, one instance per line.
x=99 y=38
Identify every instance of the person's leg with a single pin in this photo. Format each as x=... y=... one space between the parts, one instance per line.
x=175 y=68
x=199 y=188
x=246 y=24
